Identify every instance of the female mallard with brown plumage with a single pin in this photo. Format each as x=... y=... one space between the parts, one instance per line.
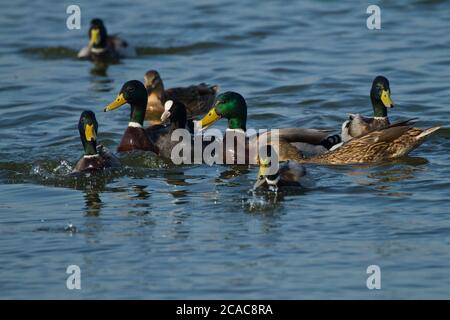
x=375 y=147
x=96 y=157
x=103 y=46
x=372 y=140
x=197 y=98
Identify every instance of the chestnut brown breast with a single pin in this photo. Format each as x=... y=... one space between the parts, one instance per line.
x=91 y=164
x=136 y=139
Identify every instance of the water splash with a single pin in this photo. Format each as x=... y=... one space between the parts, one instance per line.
x=63 y=168
x=261 y=202
x=38 y=170
x=71 y=228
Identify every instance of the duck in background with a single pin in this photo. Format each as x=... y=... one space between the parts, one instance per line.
x=96 y=157
x=102 y=46
x=197 y=99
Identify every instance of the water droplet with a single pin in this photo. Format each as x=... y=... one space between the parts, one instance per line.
x=70 y=228
x=63 y=168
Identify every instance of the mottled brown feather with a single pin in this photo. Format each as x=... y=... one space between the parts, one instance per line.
x=377 y=146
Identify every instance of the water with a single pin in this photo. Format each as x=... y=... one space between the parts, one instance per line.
x=153 y=230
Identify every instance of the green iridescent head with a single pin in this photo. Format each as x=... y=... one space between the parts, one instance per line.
x=231 y=106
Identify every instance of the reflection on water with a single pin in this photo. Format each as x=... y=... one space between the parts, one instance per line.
x=93 y=203
x=141 y=193
x=141 y=202
x=99 y=69
x=232 y=172
x=385 y=177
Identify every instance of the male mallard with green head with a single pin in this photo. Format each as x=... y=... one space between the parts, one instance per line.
x=380 y=96
x=197 y=98
x=156 y=138
x=135 y=137
x=233 y=107
x=96 y=157
x=103 y=46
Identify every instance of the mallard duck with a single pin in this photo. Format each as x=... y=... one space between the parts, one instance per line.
x=197 y=98
x=380 y=96
x=232 y=106
x=96 y=157
x=274 y=175
x=156 y=138
x=176 y=115
x=376 y=146
x=103 y=46
x=135 y=137
x=174 y=118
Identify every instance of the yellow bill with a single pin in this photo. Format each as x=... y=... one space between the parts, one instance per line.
x=120 y=101
x=209 y=119
x=262 y=173
x=95 y=36
x=264 y=164
x=89 y=132
x=386 y=99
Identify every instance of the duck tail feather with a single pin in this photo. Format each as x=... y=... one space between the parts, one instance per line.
x=427 y=132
